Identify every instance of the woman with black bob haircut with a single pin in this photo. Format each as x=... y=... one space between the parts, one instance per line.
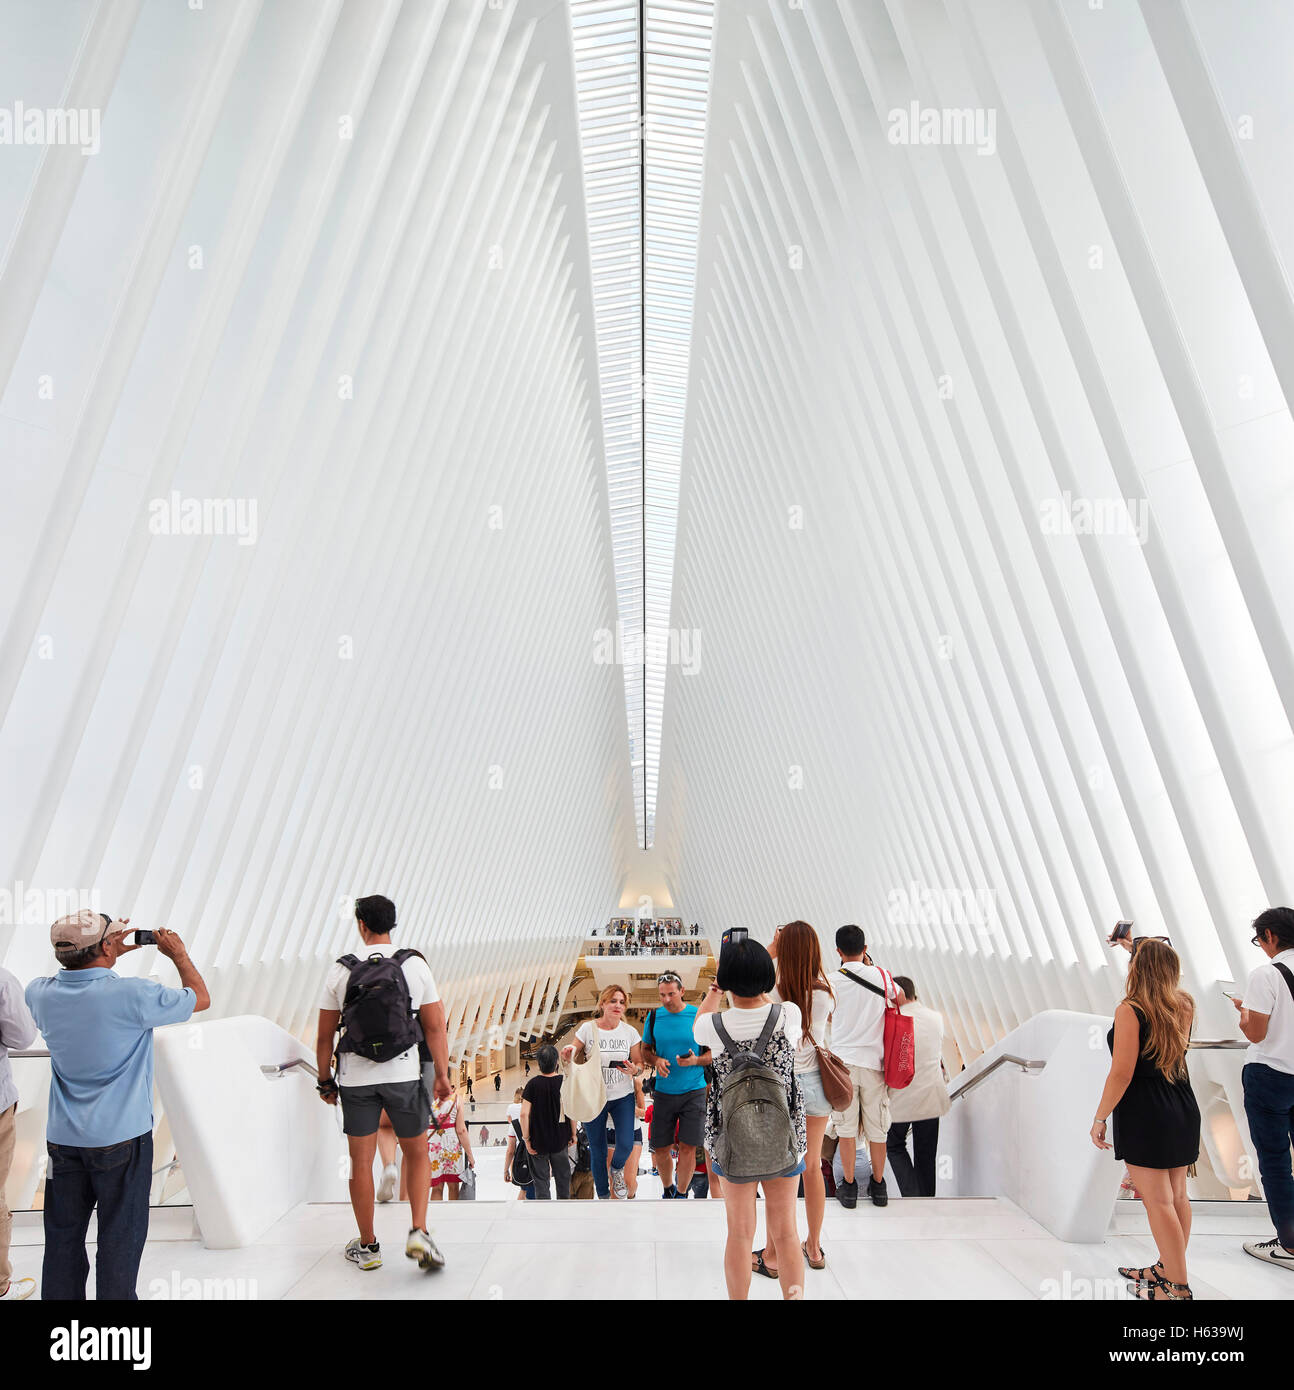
x=747 y=974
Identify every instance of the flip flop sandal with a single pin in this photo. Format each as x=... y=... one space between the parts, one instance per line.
x=760 y=1267
x=808 y=1259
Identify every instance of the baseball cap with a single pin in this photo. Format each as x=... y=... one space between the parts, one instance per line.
x=80 y=929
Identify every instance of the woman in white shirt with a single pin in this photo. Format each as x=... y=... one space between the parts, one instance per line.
x=921 y=1103
x=801 y=981
x=616 y=1042
x=747 y=972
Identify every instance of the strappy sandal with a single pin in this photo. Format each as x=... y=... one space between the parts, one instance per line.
x=809 y=1260
x=760 y=1267
x=1142 y=1276
x=1157 y=1290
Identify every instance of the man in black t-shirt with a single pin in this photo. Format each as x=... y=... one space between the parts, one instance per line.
x=547 y=1136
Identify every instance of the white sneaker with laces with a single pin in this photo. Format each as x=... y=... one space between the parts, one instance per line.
x=365 y=1256
x=1272 y=1251
x=422 y=1248
x=17 y=1290
x=618 y=1183
x=389 y=1183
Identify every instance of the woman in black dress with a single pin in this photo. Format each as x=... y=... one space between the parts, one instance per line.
x=1156 y=1119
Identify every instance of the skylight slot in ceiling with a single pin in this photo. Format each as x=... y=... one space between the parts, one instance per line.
x=642 y=77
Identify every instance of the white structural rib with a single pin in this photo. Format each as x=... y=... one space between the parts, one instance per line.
x=642 y=75
x=986 y=503
x=325 y=279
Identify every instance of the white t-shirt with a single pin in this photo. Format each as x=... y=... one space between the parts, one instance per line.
x=1267 y=993
x=744 y=1025
x=806 y=1059
x=514 y=1113
x=614 y=1045
x=353 y=1070
x=858 y=1023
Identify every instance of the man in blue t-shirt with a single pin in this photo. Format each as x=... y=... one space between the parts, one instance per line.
x=678 y=1101
x=98 y=1026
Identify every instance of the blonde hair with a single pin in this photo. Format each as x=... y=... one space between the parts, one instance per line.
x=607 y=995
x=518 y=1093
x=1154 y=990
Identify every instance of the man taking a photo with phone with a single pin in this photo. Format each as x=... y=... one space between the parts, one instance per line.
x=98 y=1026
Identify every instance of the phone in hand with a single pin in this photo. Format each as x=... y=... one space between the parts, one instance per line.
x=733 y=935
x=1121 y=932
x=145 y=938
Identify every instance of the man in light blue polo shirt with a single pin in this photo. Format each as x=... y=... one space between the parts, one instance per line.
x=99 y=1131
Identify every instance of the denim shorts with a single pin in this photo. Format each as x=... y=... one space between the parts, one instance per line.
x=812 y=1094
x=719 y=1173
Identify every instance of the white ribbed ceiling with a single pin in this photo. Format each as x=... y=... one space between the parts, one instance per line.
x=334 y=262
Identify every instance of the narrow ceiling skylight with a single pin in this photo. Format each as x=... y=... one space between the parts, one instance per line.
x=642 y=70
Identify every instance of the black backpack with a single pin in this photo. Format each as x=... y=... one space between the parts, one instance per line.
x=583 y=1154
x=377 y=1017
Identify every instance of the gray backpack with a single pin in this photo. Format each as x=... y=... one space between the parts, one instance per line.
x=757 y=1138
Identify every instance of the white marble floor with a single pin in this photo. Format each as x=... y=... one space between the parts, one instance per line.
x=946 y=1248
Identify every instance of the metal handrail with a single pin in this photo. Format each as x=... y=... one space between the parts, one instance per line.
x=1201 y=1044
x=1024 y=1063
x=274 y=1069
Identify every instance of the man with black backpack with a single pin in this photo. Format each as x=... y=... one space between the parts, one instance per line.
x=385 y=1004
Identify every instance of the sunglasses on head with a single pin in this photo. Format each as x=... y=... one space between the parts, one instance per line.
x=670 y=978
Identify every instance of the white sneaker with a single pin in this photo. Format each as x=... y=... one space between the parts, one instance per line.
x=366 y=1256
x=1270 y=1250
x=18 y=1290
x=618 y=1183
x=422 y=1248
x=389 y=1184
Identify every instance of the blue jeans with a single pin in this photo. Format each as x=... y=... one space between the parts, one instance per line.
x=1269 y=1108
x=116 y=1180
x=622 y=1117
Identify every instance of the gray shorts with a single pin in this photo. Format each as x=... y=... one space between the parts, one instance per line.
x=678 y=1117
x=406 y=1102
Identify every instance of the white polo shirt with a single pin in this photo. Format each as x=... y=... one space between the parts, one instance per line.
x=1267 y=993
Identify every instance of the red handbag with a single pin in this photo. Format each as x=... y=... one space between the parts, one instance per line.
x=900 y=1041
x=900 y=1045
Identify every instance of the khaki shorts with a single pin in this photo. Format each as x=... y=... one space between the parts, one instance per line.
x=871 y=1101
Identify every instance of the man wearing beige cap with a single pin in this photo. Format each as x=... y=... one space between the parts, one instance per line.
x=99 y=1029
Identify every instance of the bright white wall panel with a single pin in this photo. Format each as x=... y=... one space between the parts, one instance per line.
x=329 y=264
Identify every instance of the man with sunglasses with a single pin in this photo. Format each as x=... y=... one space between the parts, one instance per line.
x=1267 y=1020
x=99 y=1131
x=678 y=1098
